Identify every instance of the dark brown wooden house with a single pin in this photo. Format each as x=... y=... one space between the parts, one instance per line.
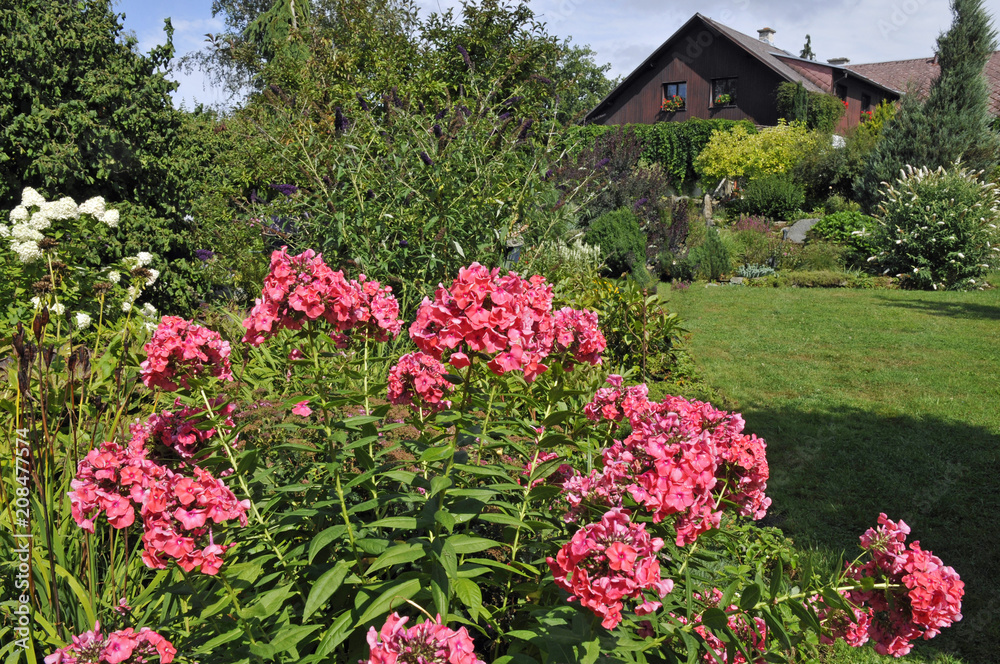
x=722 y=73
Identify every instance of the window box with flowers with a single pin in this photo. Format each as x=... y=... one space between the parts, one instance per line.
x=672 y=104
x=724 y=100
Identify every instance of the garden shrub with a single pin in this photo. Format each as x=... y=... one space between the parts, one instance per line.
x=820 y=256
x=825 y=279
x=836 y=203
x=776 y=196
x=938 y=229
x=622 y=242
x=675 y=265
x=754 y=271
x=711 y=258
x=817 y=110
x=737 y=153
x=850 y=229
x=752 y=246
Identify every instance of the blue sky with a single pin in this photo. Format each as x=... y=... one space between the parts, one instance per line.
x=625 y=32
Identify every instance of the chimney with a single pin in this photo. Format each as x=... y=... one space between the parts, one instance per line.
x=839 y=62
x=766 y=35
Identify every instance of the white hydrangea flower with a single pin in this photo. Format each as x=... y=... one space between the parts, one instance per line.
x=58 y=308
x=39 y=221
x=144 y=258
x=27 y=252
x=153 y=276
x=148 y=310
x=93 y=206
x=4 y=231
x=114 y=276
x=82 y=320
x=150 y=326
x=31 y=197
x=110 y=218
x=131 y=294
x=126 y=306
x=25 y=233
x=64 y=208
x=20 y=213
x=37 y=302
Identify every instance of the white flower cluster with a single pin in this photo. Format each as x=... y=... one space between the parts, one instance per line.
x=95 y=207
x=82 y=320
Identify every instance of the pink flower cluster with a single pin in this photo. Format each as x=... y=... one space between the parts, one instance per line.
x=177 y=507
x=303 y=288
x=125 y=645
x=507 y=317
x=178 y=431
x=576 y=336
x=426 y=643
x=924 y=595
x=752 y=635
x=177 y=514
x=181 y=351
x=610 y=561
x=419 y=379
x=683 y=458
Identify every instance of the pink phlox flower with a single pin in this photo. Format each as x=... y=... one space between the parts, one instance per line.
x=181 y=351
x=418 y=379
x=608 y=562
x=303 y=288
x=123 y=646
x=429 y=642
x=302 y=409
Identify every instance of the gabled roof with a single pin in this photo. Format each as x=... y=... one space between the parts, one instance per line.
x=760 y=50
x=921 y=73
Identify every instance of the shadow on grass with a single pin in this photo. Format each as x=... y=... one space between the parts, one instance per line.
x=969 y=310
x=834 y=470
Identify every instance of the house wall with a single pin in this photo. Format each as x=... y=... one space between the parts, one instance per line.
x=697 y=56
x=856 y=88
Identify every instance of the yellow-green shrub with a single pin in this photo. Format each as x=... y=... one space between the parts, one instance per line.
x=739 y=154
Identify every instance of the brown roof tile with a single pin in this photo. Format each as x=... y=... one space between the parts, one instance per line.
x=921 y=72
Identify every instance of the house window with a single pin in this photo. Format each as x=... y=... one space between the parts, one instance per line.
x=866 y=102
x=675 y=96
x=842 y=92
x=723 y=92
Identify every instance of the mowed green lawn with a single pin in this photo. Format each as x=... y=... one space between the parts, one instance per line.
x=871 y=401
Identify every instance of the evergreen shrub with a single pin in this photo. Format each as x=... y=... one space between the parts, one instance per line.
x=622 y=242
x=775 y=196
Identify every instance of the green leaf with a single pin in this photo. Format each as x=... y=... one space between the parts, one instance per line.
x=749 y=597
x=465 y=544
x=468 y=593
x=212 y=644
x=715 y=618
x=776 y=578
x=390 y=598
x=325 y=586
x=397 y=555
x=324 y=538
x=439 y=482
x=268 y=604
x=286 y=639
x=401 y=522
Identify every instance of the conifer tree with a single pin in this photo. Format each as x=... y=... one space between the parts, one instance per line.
x=954 y=122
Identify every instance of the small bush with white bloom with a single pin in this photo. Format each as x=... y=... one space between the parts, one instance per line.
x=50 y=262
x=938 y=229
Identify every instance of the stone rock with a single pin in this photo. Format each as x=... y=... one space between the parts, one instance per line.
x=797 y=232
x=707 y=209
x=736 y=280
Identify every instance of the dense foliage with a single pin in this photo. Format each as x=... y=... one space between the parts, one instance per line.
x=817 y=110
x=738 y=153
x=775 y=196
x=938 y=229
x=622 y=242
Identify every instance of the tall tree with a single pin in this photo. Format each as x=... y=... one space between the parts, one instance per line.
x=581 y=83
x=82 y=112
x=807 y=50
x=954 y=122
